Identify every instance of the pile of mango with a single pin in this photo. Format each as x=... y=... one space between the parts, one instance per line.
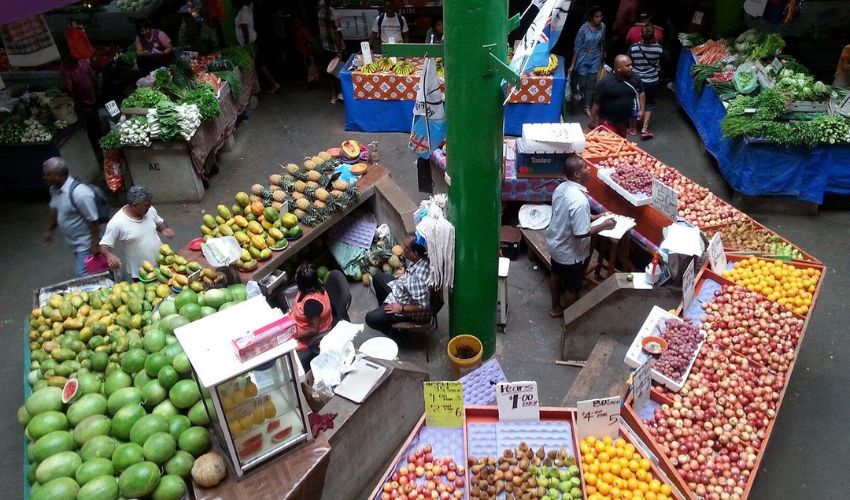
x=257 y=228
x=175 y=271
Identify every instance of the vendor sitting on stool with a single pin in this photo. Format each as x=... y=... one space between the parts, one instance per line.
x=311 y=311
x=405 y=298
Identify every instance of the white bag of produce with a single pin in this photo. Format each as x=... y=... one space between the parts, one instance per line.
x=336 y=356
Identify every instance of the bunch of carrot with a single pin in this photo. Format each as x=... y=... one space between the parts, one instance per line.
x=601 y=143
x=710 y=52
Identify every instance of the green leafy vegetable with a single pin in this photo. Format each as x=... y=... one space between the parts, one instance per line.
x=205 y=98
x=769 y=47
x=240 y=57
x=143 y=97
x=233 y=81
x=167 y=118
x=110 y=141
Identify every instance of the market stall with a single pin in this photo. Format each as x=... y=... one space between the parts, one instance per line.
x=768 y=161
x=173 y=128
x=381 y=100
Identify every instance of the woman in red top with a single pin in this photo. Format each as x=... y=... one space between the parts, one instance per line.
x=311 y=311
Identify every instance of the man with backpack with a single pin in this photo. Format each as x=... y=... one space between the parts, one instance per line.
x=389 y=25
x=75 y=208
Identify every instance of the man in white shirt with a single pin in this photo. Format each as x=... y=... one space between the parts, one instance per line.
x=245 y=34
x=568 y=235
x=132 y=233
x=388 y=26
x=75 y=217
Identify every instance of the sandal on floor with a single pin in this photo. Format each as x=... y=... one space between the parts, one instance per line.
x=646 y=135
x=556 y=313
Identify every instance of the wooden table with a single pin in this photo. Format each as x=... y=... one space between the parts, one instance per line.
x=366 y=185
x=603 y=375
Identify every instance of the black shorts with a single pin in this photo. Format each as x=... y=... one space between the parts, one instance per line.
x=651 y=95
x=572 y=275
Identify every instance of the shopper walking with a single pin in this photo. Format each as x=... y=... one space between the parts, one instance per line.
x=568 y=235
x=588 y=57
x=619 y=98
x=132 y=235
x=73 y=210
x=646 y=62
x=388 y=26
x=406 y=297
x=246 y=34
x=330 y=33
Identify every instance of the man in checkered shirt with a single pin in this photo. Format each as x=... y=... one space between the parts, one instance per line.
x=406 y=298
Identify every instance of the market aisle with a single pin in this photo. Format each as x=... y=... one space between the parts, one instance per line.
x=297 y=123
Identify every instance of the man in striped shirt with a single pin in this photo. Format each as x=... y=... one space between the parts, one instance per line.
x=646 y=65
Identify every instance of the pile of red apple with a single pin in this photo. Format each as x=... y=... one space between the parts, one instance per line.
x=715 y=427
x=762 y=330
x=424 y=477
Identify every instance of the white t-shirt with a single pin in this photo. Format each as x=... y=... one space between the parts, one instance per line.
x=391 y=27
x=245 y=16
x=132 y=240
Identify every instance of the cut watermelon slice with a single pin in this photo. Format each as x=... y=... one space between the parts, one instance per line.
x=282 y=435
x=274 y=424
x=69 y=390
x=250 y=449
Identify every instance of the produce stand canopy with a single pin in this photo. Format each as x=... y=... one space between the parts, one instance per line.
x=14 y=11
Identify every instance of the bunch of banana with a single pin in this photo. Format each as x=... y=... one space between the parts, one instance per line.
x=369 y=68
x=385 y=64
x=404 y=68
x=548 y=69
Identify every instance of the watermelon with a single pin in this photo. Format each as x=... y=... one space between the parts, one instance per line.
x=184 y=393
x=61 y=488
x=180 y=464
x=104 y=487
x=194 y=440
x=69 y=390
x=185 y=297
x=170 y=487
x=126 y=455
x=98 y=447
x=139 y=480
x=215 y=298
x=92 y=469
x=62 y=464
x=45 y=423
x=191 y=311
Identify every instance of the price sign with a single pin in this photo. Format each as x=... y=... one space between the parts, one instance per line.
x=641 y=384
x=599 y=417
x=366 y=50
x=112 y=109
x=716 y=255
x=844 y=106
x=688 y=285
x=443 y=404
x=665 y=199
x=517 y=401
x=776 y=64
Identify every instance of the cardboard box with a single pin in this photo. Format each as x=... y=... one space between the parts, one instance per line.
x=509 y=239
x=265 y=338
x=539 y=165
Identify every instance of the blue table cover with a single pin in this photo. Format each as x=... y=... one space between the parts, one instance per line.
x=762 y=169
x=364 y=115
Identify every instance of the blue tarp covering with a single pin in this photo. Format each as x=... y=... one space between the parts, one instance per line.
x=762 y=169
x=363 y=115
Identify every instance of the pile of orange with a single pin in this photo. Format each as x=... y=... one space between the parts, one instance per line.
x=614 y=469
x=793 y=287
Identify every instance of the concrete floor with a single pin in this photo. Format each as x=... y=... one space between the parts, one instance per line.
x=802 y=461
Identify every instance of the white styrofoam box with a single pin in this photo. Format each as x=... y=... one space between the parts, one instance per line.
x=653 y=326
x=551 y=138
x=637 y=200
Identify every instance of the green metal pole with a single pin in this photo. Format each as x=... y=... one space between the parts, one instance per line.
x=475 y=116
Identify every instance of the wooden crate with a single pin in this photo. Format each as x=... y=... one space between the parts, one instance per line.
x=71 y=283
x=710 y=230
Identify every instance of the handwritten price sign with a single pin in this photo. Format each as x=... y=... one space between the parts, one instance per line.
x=443 y=404
x=517 y=401
x=641 y=384
x=688 y=283
x=599 y=417
x=716 y=255
x=665 y=199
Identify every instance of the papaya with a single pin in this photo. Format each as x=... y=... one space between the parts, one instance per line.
x=224 y=212
x=241 y=221
x=242 y=198
x=242 y=238
x=209 y=221
x=255 y=227
x=225 y=230
x=271 y=214
x=258 y=242
x=257 y=208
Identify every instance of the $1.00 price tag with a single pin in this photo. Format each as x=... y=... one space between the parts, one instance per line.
x=716 y=255
x=443 y=404
x=665 y=199
x=599 y=418
x=641 y=384
x=517 y=401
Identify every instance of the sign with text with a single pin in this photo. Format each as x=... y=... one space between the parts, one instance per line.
x=112 y=109
x=517 y=401
x=688 y=285
x=366 y=50
x=716 y=255
x=443 y=404
x=665 y=199
x=599 y=418
x=844 y=106
x=641 y=385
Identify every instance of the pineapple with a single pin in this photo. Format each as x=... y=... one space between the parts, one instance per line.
x=299 y=186
x=299 y=214
x=275 y=179
x=288 y=178
x=319 y=204
x=275 y=187
x=394 y=262
x=277 y=205
x=314 y=175
x=292 y=169
x=254 y=198
x=256 y=189
x=336 y=193
x=302 y=203
x=324 y=156
x=312 y=184
x=318 y=160
x=340 y=185
x=279 y=196
x=297 y=196
x=321 y=194
x=310 y=165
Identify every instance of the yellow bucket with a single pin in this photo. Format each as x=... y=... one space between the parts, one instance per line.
x=465 y=354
